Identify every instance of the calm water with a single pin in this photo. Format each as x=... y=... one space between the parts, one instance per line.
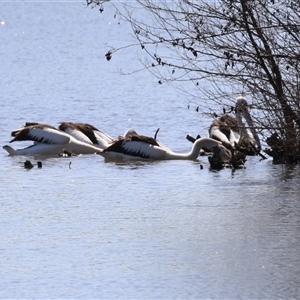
x=159 y=230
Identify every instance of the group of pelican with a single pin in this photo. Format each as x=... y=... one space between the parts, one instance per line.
x=83 y=138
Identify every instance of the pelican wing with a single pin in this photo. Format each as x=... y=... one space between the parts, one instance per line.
x=97 y=136
x=29 y=125
x=143 y=139
x=217 y=134
x=136 y=149
x=89 y=130
x=77 y=132
x=41 y=134
x=87 y=133
x=78 y=135
x=103 y=139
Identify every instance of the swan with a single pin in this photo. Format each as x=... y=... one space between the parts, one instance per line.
x=142 y=147
x=231 y=131
x=47 y=140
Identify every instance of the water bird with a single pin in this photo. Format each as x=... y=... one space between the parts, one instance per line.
x=67 y=153
x=28 y=164
x=48 y=140
x=143 y=147
x=232 y=131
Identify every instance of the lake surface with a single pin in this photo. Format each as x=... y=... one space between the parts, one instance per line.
x=83 y=228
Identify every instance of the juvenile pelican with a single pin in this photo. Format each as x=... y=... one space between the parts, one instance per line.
x=231 y=131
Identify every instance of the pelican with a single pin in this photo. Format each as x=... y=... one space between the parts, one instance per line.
x=225 y=130
x=47 y=140
x=231 y=131
x=142 y=147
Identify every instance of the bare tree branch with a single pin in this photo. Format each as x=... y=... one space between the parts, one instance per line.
x=222 y=48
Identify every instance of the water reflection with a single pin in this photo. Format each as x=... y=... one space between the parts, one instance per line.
x=134 y=164
x=289 y=172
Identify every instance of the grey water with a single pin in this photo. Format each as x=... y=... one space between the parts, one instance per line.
x=83 y=228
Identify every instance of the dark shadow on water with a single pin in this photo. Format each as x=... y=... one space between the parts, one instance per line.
x=134 y=164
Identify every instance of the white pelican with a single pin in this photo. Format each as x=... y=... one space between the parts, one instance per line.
x=143 y=147
x=231 y=131
x=47 y=140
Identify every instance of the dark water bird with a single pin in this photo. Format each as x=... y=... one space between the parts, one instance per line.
x=28 y=164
